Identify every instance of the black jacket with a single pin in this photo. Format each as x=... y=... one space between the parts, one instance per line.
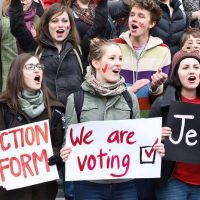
x=160 y=108
x=116 y=10
x=170 y=29
x=62 y=73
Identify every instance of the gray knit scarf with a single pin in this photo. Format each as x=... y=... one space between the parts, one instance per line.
x=32 y=104
x=106 y=89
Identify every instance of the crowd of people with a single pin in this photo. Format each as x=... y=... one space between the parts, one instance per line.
x=145 y=50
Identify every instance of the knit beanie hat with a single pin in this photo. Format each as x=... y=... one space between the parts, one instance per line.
x=181 y=55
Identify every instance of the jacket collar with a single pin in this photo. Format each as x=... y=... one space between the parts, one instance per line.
x=175 y=4
x=152 y=42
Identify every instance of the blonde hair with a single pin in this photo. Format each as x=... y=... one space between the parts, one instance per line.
x=97 y=48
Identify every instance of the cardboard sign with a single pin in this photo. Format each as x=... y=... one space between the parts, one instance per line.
x=114 y=149
x=183 y=144
x=24 y=153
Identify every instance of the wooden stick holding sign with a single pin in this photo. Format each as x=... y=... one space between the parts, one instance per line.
x=24 y=153
x=113 y=149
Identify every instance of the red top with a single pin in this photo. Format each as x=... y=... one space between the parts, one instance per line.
x=187 y=172
x=47 y=3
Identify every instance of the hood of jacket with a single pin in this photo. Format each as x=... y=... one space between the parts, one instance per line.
x=152 y=42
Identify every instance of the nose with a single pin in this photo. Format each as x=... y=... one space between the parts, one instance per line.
x=134 y=18
x=192 y=70
x=118 y=62
x=60 y=23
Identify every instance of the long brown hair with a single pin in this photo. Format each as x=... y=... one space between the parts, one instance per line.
x=16 y=84
x=57 y=8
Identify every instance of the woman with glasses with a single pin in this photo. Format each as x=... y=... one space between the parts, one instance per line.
x=27 y=100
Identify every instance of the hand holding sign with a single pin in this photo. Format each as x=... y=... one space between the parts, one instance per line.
x=166 y=132
x=65 y=152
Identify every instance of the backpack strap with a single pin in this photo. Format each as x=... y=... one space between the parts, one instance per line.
x=38 y=52
x=78 y=53
x=129 y=101
x=78 y=103
x=81 y=59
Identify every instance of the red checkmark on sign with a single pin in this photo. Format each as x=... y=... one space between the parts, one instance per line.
x=152 y=150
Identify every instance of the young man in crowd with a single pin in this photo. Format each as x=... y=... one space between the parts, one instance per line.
x=146 y=60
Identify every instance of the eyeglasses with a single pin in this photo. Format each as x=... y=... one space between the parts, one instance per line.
x=32 y=67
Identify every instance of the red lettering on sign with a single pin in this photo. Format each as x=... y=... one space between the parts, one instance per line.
x=43 y=157
x=82 y=164
x=29 y=135
x=83 y=138
x=41 y=132
x=3 y=145
x=121 y=137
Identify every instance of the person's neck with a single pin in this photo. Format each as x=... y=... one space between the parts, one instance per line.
x=169 y=6
x=83 y=4
x=139 y=41
x=189 y=94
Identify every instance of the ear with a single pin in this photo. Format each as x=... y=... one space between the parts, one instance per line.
x=153 y=23
x=95 y=64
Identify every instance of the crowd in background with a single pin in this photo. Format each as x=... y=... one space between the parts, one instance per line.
x=146 y=50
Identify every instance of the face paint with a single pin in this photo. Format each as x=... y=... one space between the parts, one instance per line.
x=68 y=27
x=104 y=69
x=141 y=24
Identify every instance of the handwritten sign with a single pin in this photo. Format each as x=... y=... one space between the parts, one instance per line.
x=24 y=153
x=182 y=145
x=113 y=149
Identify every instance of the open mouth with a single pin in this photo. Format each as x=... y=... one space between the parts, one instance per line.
x=37 y=79
x=192 y=78
x=116 y=71
x=134 y=26
x=60 y=31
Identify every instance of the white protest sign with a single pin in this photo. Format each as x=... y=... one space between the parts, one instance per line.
x=113 y=149
x=24 y=153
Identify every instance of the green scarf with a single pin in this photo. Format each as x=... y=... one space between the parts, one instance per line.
x=32 y=104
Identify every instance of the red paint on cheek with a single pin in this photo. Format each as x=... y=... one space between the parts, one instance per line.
x=104 y=69
x=68 y=27
x=141 y=24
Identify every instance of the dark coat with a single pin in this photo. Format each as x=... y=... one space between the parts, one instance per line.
x=18 y=27
x=160 y=108
x=170 y=29
x=44 y=191
x=116 y=10
x=62 y=73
